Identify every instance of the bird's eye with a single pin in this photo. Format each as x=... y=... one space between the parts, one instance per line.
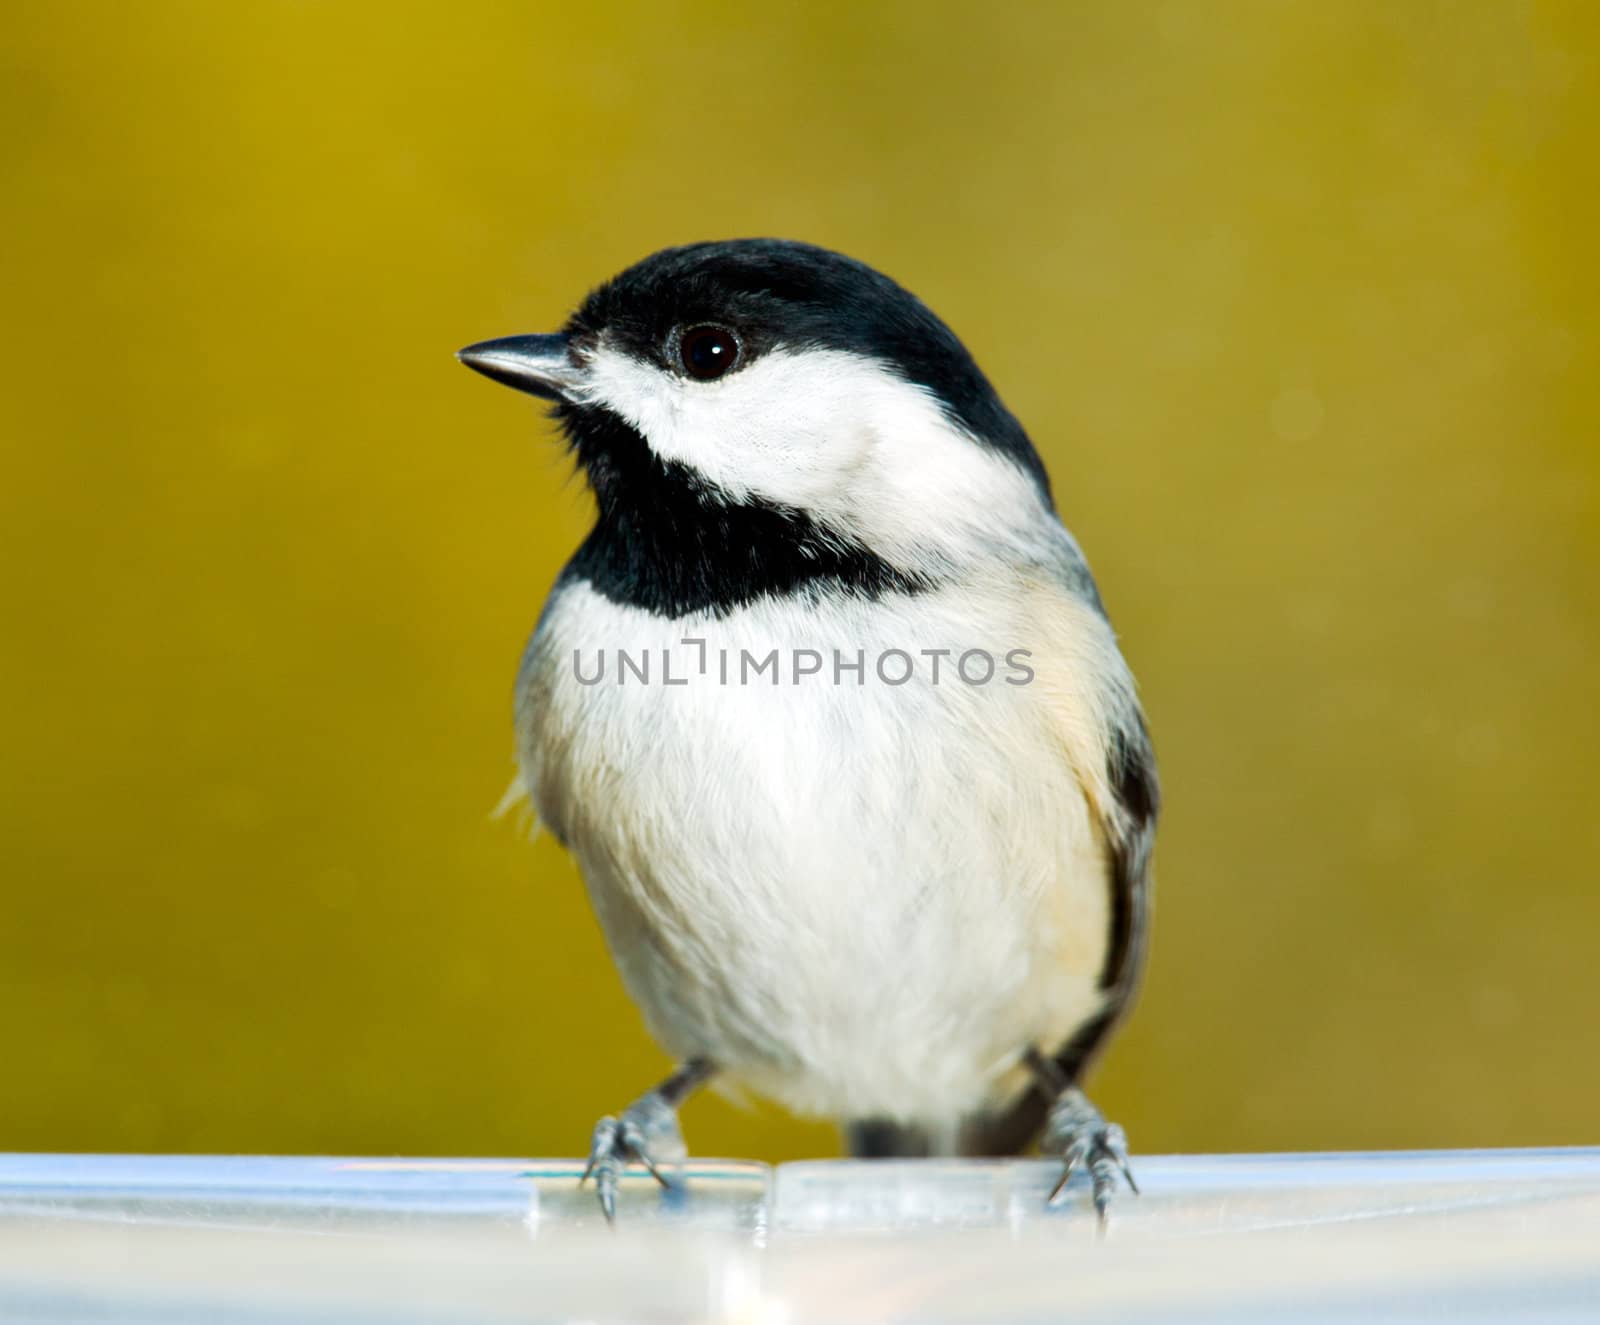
x=708 y=352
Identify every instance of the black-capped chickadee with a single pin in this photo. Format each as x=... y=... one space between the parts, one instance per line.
x=829 y=712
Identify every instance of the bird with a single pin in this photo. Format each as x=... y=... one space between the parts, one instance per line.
x=829 y=711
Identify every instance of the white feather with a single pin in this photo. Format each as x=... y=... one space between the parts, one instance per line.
x=861 y=900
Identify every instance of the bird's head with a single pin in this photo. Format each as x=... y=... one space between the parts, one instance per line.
x=773 y=379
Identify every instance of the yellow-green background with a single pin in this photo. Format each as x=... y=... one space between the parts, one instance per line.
x=1298 y=301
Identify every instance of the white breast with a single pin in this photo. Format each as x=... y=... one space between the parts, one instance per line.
x=858 y=898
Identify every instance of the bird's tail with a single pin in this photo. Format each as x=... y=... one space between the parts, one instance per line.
x=1006 y=1132
x=879 y=1138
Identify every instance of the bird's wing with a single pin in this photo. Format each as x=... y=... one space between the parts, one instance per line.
x=1088 y=698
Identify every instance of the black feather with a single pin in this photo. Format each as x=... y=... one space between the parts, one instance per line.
x=666 y=541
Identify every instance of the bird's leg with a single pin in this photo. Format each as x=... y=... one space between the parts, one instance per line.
x=1076 y=1130
x=647 y=1132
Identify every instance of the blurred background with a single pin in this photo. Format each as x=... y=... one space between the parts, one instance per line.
x=1298 y=302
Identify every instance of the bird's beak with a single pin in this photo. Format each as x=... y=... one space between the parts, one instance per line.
x=539 y=365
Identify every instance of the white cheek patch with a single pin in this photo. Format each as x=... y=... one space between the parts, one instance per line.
x=783 y=429
x=838 y=436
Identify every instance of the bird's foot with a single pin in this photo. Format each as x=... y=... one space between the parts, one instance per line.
x=646 y=1133
x=1077 y=1132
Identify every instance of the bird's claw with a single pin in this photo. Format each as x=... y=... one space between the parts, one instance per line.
x=1078 y=1133
x=646 y=1133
